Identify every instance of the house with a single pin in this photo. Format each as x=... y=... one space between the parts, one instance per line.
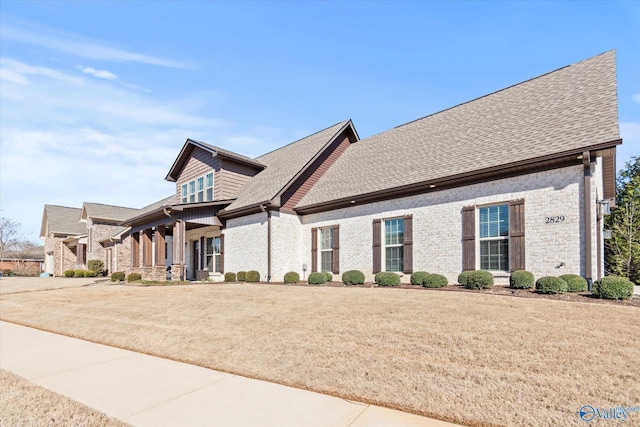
x=517 y=179
x=25 y=261
x=75 y=235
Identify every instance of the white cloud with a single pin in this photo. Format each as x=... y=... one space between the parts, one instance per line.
x=74 y=44
x=636 y=97
x=102 y=74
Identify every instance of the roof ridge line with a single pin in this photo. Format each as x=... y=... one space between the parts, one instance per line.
x=300 y=139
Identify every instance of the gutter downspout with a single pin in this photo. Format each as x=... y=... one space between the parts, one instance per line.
x=586 y=161
x=268 y=245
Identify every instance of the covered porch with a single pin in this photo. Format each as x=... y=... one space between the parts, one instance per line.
x=181 y=242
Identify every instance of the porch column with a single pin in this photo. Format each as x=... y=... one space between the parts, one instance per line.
x=160 y=249
x=147 y=250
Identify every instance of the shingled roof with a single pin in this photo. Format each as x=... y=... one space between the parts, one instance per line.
x=107 y=212
x=61 y=220
x=188 y=147
x=282 y=165
x=571 y=109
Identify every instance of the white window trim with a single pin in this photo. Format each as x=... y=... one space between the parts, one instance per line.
x=479 y=239
x=321 y=251
x=383 y=241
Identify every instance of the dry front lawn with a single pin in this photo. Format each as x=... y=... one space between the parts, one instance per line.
x=25 y=404
x=465 y=357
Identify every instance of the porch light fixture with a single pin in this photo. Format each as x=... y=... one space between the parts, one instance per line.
x=579 y=157
x=604 y=207
x=353 y=201
x=432 y=186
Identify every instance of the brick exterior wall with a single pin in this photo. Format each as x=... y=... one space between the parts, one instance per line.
x=246 y=244
x=63 y=257
x=437 y=228
x=97 y=231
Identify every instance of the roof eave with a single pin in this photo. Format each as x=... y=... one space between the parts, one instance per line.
x=568 y=158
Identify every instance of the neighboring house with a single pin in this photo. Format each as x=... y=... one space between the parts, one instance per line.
x=517 y=179
x=73 y=236
x=25 y=262
x=64 y=237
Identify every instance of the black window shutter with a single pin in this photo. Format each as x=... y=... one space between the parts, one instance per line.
x=314 y=250
x=222 y=253
x=516 y=235
x=336 y=249
x=468 y=238
x=408 y=245
x=377 y=250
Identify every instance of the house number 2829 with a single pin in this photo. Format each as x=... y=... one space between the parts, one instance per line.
x=553 y=219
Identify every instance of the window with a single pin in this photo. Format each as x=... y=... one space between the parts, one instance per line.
x=184 y=193
x=201 y=189
x=213 y=254
x=326 y=249
x=209 y=187
x=192 y=191
x=198 y=190
x=393 y=244
x=494 y=238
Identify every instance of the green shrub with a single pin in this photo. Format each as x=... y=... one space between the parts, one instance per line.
x=575 y=283
x=69 y=273
x=435 y=281
x=317 y=278
x=417 y=277
x=478 y=279
x=292 y=277
x=353 y=277
x=132 y=277
x=117 y=276
x=242 y=276
x=522 y=279
x=95 y=265
x=613 y=287
x=229 y=277
x=329 y=276
x=90 y=273
x=462 y=277
x=78 y=273
x=385 y=278
x=253 y=276
x=551 y=285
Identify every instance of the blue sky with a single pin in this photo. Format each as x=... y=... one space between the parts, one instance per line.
x=97 y=98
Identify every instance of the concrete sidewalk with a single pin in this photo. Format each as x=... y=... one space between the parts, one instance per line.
x=144 y=390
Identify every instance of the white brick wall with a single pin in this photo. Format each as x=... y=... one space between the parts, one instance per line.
x=286 y=246
x=437 y=224
x=437 y=228
x=245 y=244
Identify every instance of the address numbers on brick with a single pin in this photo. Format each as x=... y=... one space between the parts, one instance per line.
x=553 y=219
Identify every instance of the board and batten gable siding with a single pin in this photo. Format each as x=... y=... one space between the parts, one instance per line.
x=232 y=177
x=437 y=225
x=228 y=176
x=301 y=186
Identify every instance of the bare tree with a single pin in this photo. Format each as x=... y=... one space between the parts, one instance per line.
x=8 y=236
